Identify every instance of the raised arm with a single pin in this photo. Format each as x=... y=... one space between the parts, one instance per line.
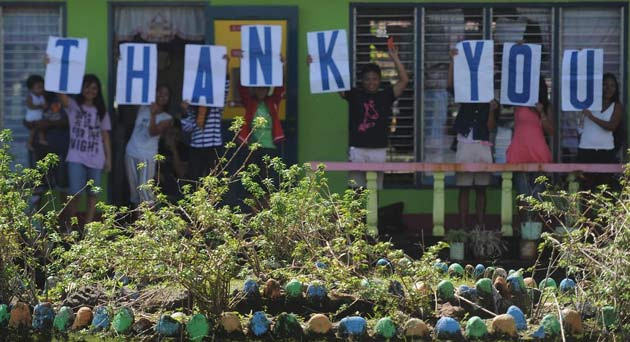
x=403 y=79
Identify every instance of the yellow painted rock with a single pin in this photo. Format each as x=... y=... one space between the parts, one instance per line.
x=503 y=325
x=230 y=322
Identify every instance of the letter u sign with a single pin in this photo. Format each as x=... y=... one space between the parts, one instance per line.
x=582 y=73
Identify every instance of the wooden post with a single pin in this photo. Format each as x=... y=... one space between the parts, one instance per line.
x=372 y=204
x=506 y=204
x=438 y=204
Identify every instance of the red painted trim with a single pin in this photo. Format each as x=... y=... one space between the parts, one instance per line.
x=468 y=167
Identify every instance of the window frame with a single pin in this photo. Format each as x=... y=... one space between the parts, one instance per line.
x=487 y=8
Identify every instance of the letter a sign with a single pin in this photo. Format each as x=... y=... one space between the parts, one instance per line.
x=204 y=75
x=261 y=65
x=330 y=69
x=582 y=73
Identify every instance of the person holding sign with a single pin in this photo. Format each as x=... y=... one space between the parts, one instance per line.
x=597 y=141
x=151 y=122
x=370 y=110
x=473 y=124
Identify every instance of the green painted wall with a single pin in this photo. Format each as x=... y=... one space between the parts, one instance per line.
x=322 y=118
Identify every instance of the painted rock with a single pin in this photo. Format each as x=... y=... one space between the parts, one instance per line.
x=396 y=288
x=446 y=290
x=415 y=328
x=609 y=316
x=4 y=315
x=63 y=319
x=43 y=316
x=551 y=325
x=20 y=316
x=572 y=322
x=519 y=317
x=385 y=328
x=167 y=326
x=404 y=264
x=319 y=324
x=484 y=287
x=293 y=289
x=469 y=270
x=548 y=283
x=287 y=326
x=455 y=270
x=383 y=262
x=316 y=291
x=100 y=322
x=489 y=272
x=540 y=333
x=447 y=328
x=353 y=326
x=499 y=272
x=440 y=266
x=259 y=324
x=180 y=317
x=467 y=292
x=123 y=320
x=501 y=285
x=272 y=289
x=141 y=326
x=230 y=322
x=530 y=283
x=511 y=271
x=82 y=319
x=476 y=328
x=250 y=288
x=567 y=285
x=515 y=283
x=479 y=271
x=198 y=327
x=320 y=265
x=503 y=325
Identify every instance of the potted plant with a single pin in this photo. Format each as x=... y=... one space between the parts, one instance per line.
x=456 y=239
x=486 y=244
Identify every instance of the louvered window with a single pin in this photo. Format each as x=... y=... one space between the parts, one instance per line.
x=23 y=42
x=590 y=28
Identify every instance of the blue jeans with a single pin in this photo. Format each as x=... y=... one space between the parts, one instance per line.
x=78 y=176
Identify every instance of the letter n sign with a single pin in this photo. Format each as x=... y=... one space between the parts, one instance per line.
x=261 y=65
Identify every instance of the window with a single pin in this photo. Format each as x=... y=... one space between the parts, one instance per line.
x=555 y=26
x=23 y=42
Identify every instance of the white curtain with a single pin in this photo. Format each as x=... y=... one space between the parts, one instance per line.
x=159 y=24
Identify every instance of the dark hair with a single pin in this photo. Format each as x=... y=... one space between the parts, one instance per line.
x=615 y=97
x=32 y=80
x=371 y=67
x=99 y=103
x=170 y=95
x=543 y=94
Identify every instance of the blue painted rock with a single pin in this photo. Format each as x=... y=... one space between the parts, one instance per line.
x=100 y=322
x=396 y=288
x=272 y=289
x=519 y=317
x=476 y=328
x=319 y=324
x=440 y=266
x=167 y=326
x=385 y=328
x=456 y=270
x=4 y=315
x=353 y=326
x=567 y=285
x=548 y=283
x=539 y=333
x=259 y=324
x=287 y=326
x=572 y=322
x=63 y=319
x=316 y=292
x=446 y=290
x=467 y=292
x=198 y=327
x=479 y=271
x=516 y=284
x=20 y=316
x=250 y=288
x=123 y=320
x=383 y=262
x=447 y=328
x=82 y=319
x=293 y=289
x=320 y=265
x=551 y=325
x=43 y=316
x=230 y=323
x=416 y=328
x=503 y=325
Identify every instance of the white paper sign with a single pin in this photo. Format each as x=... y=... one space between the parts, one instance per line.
x=66 y=65
x=520 y=74
x=261 y=65
x=137 y=74
x=205 y=71
x=473 y=70
x=582 y=73
x=330 y=68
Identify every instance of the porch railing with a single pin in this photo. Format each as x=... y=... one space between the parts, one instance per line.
x=440 y=169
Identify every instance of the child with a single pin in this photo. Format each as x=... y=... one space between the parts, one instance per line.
x=35 y=106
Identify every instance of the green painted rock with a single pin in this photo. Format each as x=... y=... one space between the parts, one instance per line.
x=609 y=317
x=550 y=325
x=456 y=270
x=4 y=315
x=294 y=289
x=548 y=283
x=484 y=286
x=63 y=319
x=446 y=290
x=123 y=320
x=287 y=326
x=385 y=328
x=476 y=328
x=197 y=327
x=319 y=324
x=416 y=328
x=503 y=325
